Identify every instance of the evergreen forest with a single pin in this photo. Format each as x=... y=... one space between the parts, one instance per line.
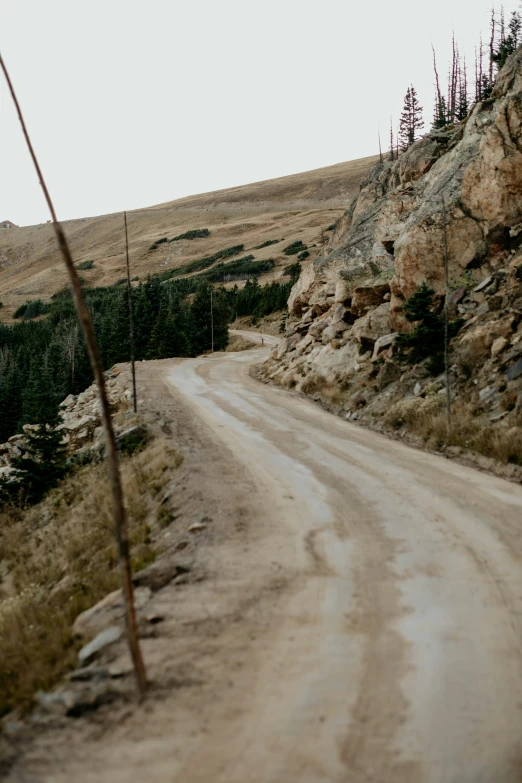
x=171 y=318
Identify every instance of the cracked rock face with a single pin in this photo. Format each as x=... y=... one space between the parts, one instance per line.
x=467 y=178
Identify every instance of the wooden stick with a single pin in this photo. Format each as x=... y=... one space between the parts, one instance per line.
x=120 y=519
x=446 y=314
x=131 y=320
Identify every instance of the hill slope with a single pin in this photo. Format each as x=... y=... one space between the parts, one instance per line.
x=296 y=207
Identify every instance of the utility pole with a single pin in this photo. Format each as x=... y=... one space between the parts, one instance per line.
x=212 y=316
x=131 y=323
x=446 y=313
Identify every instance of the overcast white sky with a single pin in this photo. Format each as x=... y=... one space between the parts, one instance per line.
x=131 y=103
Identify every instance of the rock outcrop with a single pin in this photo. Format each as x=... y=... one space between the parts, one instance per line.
x=81 y=422
x=465 y=181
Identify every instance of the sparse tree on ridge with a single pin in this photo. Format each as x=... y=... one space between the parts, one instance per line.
x=392 y=141
x=411 y=119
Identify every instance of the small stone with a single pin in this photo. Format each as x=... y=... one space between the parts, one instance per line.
x=484 y=284
x=120 y=669
x=457 y=296
x=499 y=417
x=498 y=346
x=99 y=643
x=515 y=371
x=154 y=617
x=60 y=701
x=487 y=393
x=197 y=527
x=417 y=390
x=88 y=673
x=159 y=574
x=382 y=343
x=107 y=612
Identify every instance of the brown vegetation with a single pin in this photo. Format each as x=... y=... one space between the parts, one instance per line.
x=295 y=207
x=60 y=557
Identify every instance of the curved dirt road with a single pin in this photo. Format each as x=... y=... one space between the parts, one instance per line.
x=400 y=654
x=359 y=619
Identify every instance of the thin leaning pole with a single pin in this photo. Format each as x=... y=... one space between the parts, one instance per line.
x=120 y=519
x=446 y=312
x=131 y=320
x=212 y=316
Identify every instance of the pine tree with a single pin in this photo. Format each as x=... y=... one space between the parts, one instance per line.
x=508 y=43
x=43 y=465
x=411 y=119
x=440 y=119
x=11 y=385
x=426 y=340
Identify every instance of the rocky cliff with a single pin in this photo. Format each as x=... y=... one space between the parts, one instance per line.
x=347 y=307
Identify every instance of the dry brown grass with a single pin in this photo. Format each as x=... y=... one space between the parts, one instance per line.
x=59 y=558
x=239 y=343
x=427 y=418
x=294 y=207
x=313 y=384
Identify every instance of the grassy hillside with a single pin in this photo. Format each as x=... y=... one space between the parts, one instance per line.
x=287 y=209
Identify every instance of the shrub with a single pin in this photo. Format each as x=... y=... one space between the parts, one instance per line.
x=267 y=244
x=426 y=340
x=241 y=269
x=293 y=271
x=303 y=255
x=84 y=265
x=20 y=311
x=157 y=243
x=196 y=233
x=32 y=309
x=202 y=263
x=294 y=248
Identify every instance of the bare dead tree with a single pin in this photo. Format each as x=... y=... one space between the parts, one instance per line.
x=446 y=311
x=455 y=84
x=69 y=337
x=120 y=518
x=492 y=46
x=437 y=80
x=381 y=159
x=212 y=315
x=131 y=320
x=392 y=141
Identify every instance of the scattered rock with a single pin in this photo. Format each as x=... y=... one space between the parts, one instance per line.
x=487 y=393
x=389 y=372
x=108 y=611
x=484 y=284
x=498 y=346
x=159 y=574
x=382 y=343
x=99 y=643
x=88 y=673
x=197 y=527
x=515 y=371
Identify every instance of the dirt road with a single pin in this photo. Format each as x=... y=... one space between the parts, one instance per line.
x=380 y=632
x=401 y=658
